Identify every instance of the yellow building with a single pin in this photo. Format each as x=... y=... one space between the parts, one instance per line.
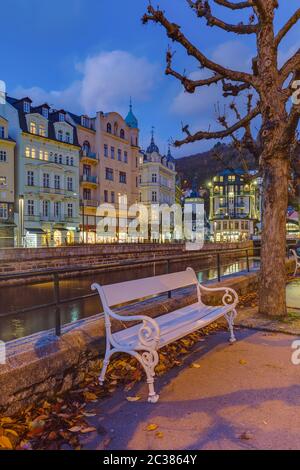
x=7 y=186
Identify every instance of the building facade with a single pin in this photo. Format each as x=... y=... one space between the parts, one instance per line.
x=7 y=184
x=235 y=206
x=108 y=170
x=46 y=174
x=157 y=180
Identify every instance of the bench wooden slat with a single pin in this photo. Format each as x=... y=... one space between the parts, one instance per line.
x=128 y=291
x=174 y=324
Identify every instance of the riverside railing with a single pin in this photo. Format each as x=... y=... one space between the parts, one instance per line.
x=55 y=275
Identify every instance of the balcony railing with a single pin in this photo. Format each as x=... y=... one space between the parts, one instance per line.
x=91 y=155
x=89 y=179
x=90 y=202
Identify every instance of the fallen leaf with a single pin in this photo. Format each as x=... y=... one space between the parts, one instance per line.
x=242 y=362
x=75 y=429
x=195 y=365
x=5 y=443
x=89 y=415
x=87 y=430
x=90 y=396
x=159 y=434
x=152 y=427
x=133 y=398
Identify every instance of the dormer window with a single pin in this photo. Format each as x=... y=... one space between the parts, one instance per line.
x=45 y=112
x=2 y=132
x=68 y=137
x=42 y=131
x=26 y=107
x=61 y=117
x=85 y=121
x=60 y=135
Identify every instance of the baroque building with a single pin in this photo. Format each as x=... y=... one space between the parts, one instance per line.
x=108 y=169
x=46 y=174
x=235 y=206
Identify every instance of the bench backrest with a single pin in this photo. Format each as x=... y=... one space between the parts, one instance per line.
x=129 y=291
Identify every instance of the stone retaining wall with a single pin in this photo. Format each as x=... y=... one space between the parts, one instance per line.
x=29 y=260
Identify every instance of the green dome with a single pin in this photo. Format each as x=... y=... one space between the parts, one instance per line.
x=130 y=119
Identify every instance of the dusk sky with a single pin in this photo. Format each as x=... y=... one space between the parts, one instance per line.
x=90 y=55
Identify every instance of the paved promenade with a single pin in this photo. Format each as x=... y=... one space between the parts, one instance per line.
x=245 y=396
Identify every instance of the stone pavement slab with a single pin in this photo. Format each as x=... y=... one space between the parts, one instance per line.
x=245 y=396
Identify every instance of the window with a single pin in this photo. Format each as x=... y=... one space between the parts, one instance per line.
x=67 y=160
x=87 y=194
x=140 y=179
x=105 y=195
x=27 y=152
x=112 y=153
x=3 y=156
x=140 y=197
x=154 y=196
x=71 y=161
x=70 y=183
x=33 y=153
x=30 y=207
x=109 y=174
x=46 y=155
x=41 y=155
x=3 y=181
x=33 y=127
x=3 y=211
x=56 y=181
x=119 y=155
x=122 y=134
x=113 y=197
x=86 y=148
x=30 y=178
x=231 y=178
x=70 y=210
x=125 y=157
x=2 y=132
x=46 y=180
x=26 y=107
x=154 y=178
x=122 y=177
x=60 y=135
x=68 y=137
x=42 y=131
x=57 y=209
x=61 y=117
x=60 y=159
x=136 y=181
x=45 y=112
x=105 y=150
x=46 y=205
x=108 y=128
x=55 y=158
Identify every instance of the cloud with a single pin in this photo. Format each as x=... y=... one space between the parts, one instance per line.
x=232 y=54
x=107 y=81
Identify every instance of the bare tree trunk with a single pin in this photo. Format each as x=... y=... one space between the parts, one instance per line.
x=272 y=288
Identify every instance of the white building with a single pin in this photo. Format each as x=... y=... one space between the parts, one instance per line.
x=47 y=174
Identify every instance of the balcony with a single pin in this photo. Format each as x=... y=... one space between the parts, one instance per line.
x=89 y=157
x=89 y=181
x=90 y=203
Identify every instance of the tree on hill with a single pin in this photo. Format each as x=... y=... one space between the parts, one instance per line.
x=279 y=115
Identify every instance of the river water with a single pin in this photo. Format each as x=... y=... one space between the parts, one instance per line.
x=15 y=298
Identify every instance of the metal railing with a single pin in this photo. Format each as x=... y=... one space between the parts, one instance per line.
x=53 y=275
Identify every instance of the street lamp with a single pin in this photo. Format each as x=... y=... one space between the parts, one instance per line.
x=21 y=221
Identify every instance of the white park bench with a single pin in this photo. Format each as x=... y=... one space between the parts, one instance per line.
x=142 y=341
x=297 y=261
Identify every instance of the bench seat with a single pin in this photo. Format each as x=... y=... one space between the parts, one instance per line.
x=144 y=339
x=173 y=325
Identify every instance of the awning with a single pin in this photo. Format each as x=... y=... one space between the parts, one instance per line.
x=37 y=231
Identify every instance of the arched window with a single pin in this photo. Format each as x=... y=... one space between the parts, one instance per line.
x=86 y=148
x=122 y=134
x=108 y=127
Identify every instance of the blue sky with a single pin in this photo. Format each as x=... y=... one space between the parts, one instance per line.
x=89 y=55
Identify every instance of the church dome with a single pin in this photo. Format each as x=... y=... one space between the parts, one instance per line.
x=130 y=119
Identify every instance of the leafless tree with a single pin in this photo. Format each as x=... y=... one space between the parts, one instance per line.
x=273 y=145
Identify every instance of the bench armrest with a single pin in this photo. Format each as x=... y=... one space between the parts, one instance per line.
x=230 y=296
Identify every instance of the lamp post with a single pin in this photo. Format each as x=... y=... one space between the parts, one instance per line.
x=83 y=221
x=21 y=221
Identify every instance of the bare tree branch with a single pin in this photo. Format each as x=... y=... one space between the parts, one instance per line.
x=203 y=10
x=291 y=66
x=189 y=84
x=233 y=6
x=286 y=28
x=218 y=134
x=174 y=33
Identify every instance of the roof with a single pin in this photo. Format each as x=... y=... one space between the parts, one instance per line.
x=52 y=119
x=228 y=172
x=130 y=119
